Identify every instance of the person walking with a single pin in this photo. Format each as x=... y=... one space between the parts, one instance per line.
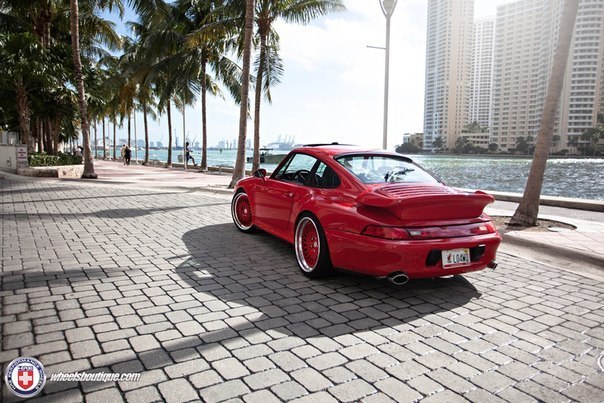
x=127 y=154
x=189 y=154
x=123 y=153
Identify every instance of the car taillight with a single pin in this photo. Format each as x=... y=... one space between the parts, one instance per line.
x=386 y=232
x=454 y=231
x=483 y=228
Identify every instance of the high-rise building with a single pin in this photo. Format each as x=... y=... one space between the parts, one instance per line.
x=448 y=44
x=526 y=38
x=523 y=54
x=482 y=56
x=583 y=86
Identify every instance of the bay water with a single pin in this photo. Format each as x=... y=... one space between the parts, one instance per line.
x=581 y=178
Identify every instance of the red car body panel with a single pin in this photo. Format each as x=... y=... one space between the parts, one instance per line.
x=345 y=211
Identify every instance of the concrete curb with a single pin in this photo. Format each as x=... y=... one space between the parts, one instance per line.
x=577 y=204
x=555 y=250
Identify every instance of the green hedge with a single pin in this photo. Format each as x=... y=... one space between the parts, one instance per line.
x=47 y=160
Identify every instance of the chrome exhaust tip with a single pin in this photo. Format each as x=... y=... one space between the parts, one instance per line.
x=493 y=265
x=398 y=278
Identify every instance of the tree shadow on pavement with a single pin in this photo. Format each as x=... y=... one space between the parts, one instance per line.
x=109 y=213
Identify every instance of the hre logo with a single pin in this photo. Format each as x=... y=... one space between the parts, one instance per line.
x=25 y=377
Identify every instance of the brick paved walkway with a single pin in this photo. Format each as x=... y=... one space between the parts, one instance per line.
x=160 y=282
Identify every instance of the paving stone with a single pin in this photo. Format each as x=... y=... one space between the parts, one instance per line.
x=397 y=389
x=288 y=390
x=104 y=396
x=311 y=379
x=205 y=379
x=327 y=360
x=230 y=368
x=144 y=343
x=352 y=391
x=144 y=395
x=287 y=361
x=88 y=348
x=262 y=380
x=178 y=390
x=261 y=396
x=366 y=370
x=450 y=381
x=224 y=391
x=186 y=368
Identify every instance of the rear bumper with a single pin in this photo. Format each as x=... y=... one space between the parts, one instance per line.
x=417 y=259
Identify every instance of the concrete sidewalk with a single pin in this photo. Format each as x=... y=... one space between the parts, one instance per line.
x=585 y=244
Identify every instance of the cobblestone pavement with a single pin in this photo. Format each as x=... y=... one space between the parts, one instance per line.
x=122 y=279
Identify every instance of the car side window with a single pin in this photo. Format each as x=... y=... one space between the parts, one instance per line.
x=324 y=177
x=297 y=169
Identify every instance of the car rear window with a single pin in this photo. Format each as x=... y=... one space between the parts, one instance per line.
x=384 y=169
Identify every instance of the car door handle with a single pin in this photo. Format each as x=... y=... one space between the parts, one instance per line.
x=289 y=195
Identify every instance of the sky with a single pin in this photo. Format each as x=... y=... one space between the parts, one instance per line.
x=332 y=88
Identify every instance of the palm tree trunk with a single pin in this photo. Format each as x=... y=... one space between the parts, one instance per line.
x=239 y=170
x=528 y=209
x=23 y=112
x=146 y=161
x=258 y=101
x=114 y=138
x=204 y=131
x=169 y=107
x=104 y=143
x=75 y=46
x=129 y=131
x=96 y=154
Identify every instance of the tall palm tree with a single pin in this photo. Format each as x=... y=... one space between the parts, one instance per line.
x=527 y=211
x=75 y=44
x=269 y=66
x=204 y=30
x=239 y=169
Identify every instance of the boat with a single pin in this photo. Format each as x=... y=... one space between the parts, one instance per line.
x=266 y=157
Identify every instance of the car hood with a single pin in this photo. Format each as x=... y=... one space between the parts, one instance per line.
x=420 y=201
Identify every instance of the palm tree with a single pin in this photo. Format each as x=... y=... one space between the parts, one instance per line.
x=239 y=169
x=269 y=66
x=528 y=209
x=75 y=44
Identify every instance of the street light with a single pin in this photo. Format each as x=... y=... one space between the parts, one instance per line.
x=388 y=9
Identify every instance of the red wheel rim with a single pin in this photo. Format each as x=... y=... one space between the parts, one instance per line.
x=243 y=211
x=310 y=245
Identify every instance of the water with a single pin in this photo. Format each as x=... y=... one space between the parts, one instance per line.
x=581 y=178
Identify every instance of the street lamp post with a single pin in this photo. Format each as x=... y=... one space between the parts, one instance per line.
x=388 y=9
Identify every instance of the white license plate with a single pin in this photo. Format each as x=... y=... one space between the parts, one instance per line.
x=456 y=258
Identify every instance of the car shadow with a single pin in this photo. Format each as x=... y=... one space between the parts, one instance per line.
x=258 y=274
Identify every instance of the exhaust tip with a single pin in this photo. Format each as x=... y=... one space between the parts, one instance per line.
x=398 y=278
x=493 y=265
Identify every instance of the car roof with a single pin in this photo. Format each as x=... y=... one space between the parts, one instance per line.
x=335 y=149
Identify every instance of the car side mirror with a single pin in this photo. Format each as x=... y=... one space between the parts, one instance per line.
x=260 y=173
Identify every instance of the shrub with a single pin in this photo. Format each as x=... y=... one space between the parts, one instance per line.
x=47 y=160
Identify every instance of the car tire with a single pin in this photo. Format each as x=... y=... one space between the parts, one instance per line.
x=241 y=211
x=312 y=252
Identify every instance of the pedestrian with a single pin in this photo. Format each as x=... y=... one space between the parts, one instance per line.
x=123 y=153
x=80 y=151
x=127 y=155
x=188 y=154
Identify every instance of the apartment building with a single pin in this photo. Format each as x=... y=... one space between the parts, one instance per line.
x=526 y=37
x=482 y=58
x=447 y=84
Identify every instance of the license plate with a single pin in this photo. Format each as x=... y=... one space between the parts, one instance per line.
x=456 y=258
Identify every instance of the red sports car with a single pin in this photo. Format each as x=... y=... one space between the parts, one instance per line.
x=371 y=212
